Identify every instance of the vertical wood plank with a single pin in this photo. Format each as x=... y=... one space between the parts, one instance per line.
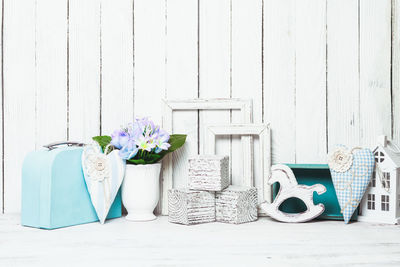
x=84 y=69
x=181 y=78
x=343 y=73
x=396 y=70
x=375 y=53
x=215 y=64
x=116 y=64
x=166 y=181
x=149 y=58
x=311 y=138
x=280 y=77
x=51 y=71
x=19 y=95
x=246 y=78
x=150 y=67
x=1 y=115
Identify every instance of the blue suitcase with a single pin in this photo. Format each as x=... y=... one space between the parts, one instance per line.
x=54 y=192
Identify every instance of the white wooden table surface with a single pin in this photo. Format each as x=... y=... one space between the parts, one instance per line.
x=159 y=243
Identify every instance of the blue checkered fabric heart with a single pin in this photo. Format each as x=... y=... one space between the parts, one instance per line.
x=351 y=172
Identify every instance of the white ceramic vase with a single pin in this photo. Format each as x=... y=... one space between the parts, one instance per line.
x=141 y=191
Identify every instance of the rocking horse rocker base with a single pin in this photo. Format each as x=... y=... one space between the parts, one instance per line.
x=289 y=188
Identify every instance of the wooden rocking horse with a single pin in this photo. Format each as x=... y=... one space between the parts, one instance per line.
x=289 y=188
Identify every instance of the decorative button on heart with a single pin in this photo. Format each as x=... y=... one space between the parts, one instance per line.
x=340 y=160
x=103 y=176
x=100 y=165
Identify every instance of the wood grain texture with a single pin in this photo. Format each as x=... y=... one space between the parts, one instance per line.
x=51 y=71
x=375 y=50
x=158 y=242
x=215 y=64
x=396 y=70
x=191 y=207
x=84 y=70
x=280 y=77
x=245 y=105
x=149 y=71
x=343 y=86
x=116 y=64
x=182 y=78
x=19 y=95
x=236 y=204
x=208 y=172
x=1 y=122
x=311 y=81
x=246 y=79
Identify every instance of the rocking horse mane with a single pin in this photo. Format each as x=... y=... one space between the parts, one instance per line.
x=286 y=171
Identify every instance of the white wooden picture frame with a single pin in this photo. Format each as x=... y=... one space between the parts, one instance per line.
x=264 y=133
x=243 y=105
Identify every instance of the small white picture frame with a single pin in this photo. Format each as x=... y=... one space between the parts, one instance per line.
x=264 y=133
x=171 y=105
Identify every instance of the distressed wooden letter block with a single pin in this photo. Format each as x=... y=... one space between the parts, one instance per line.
x=209 y=172
x=236 y=204
x=191 y=207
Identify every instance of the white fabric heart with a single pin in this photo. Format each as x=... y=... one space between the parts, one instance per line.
x=351 y=175
x=103 y=176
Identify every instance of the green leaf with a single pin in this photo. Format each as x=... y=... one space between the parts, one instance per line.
x=176 y=141
x=148 y=159
x=153 y=157
x=136 y=161
x=103 y=141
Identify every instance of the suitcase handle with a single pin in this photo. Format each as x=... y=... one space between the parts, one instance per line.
x=54 y=145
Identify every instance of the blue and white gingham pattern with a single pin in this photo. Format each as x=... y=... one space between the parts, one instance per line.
x=350 y=186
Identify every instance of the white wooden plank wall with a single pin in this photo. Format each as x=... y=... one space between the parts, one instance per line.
x=320 y=71
x=116 y=64
x=2 y=121
x=84 y=69
x=375 y=66
x=310 y=35
x=149 y=55
x=396 y=70
x=343 y=72
x=51 y=71
x=279 y=77
x=20 y=96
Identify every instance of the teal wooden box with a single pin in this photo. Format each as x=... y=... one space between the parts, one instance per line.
x=309 y=174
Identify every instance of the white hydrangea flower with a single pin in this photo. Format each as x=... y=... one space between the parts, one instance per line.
x=340 y=160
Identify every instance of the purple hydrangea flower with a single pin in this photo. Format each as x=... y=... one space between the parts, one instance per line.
x=129 y=150
x=162 y=142
x=119 y=138
x=141 y=135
